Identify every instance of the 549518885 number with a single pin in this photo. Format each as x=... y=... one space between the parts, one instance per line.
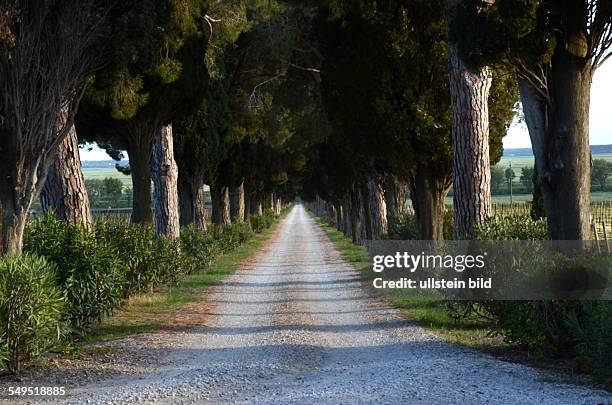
x=36 y=391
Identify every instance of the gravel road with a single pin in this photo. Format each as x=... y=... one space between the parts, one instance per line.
x=296 y=326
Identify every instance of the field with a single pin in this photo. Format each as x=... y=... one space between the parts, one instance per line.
x=596 y=196
x=518 y=162
x=101 y=173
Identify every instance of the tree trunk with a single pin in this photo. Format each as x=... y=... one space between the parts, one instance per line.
x=278 y=206
x=17 y=194
x=339 y=219
x=560 y=141
x=255 y=204
x=365 y=210
x=428 y=194
x=470 y=133
x=13 y=226
x=164 y=173
x=557 y=116
x=139 y=152
x=191 y=202
x=347 y=216
x=396 y=192
x=378 y=207
x=537 y=201
x=271 y=200
x=355 y=232
x=220 y=205
x=237 y=204
x=64 y=191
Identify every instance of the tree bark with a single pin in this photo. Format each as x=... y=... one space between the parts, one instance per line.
x=64 y=192
x=557 y=116
x=13 y=225
x=428 y=194
x=378 y=207
x=560 y=141
x=469 y=91
x=278 y=205
x=255 y=204
x=191 y=202
x=365 y=210
x=220 y=204
x=339 y=219
x=271 y=200
x=164 y=173
x=354 y=203
x=396 y=192
x=347 y=216
x=139 y=148
x=237 y=204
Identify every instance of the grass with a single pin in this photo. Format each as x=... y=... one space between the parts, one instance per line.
x=433 y=315
x=103 y=172
x=518 y=162
x=155 y=311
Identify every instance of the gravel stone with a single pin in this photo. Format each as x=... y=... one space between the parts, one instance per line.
x=295 y=326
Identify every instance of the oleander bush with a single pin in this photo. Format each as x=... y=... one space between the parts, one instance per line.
x=100 y=267
x=149 y=261
x=32 y=310
x=70 y=277
x=406 y=228
x=259 y=223
x=516 y=227
x=578 y=329
x=589 y=324
x=90 y=269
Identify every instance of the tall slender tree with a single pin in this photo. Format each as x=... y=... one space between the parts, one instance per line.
x=165 y=177
x=554 y=48
x=156 y=75
x=64 y=192
x=47 y=54
x=469 y=89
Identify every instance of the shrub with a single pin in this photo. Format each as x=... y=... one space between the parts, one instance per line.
x=589 y=323
x=580 y=329
x=149 y=261
x=199 y=248
x=32 y=309
x=260 y=223
x=89 y=269
x=516 y=227
x=406 y=227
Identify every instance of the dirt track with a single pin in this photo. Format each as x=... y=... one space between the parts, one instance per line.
x=296 y=326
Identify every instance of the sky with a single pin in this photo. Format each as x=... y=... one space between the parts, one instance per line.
x=600 y=116
x=518 y=137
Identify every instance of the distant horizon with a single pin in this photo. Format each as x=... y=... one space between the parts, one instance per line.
x=126 y=160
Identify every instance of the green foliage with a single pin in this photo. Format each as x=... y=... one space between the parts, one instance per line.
x=108 y=190
x=527 y=174
x=525 y=27
x=497 y=178
x=199 y=248
x=32 y=310
x=513 y=228
x=580 y=329
x=89 y=269
x=589 y=323
x=149 y=261
x=97 y=269
x=261 y=222
x=602 y=169
x=406 y=227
